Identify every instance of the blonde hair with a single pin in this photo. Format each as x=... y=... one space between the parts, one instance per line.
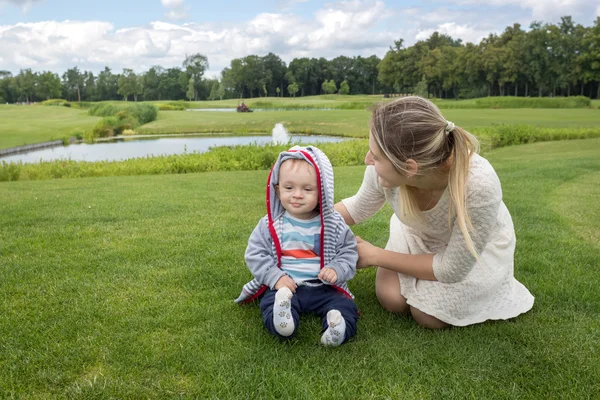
x=414 y=128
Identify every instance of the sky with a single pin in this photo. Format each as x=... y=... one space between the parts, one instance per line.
x=54 y=35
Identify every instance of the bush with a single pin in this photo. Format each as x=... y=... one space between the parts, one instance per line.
x=106 y=127
x=80 y=104
x=171 y=107
x=129 y=132
x=54 y=102
x=534 y=102
x=144 y=113
x=10 y=171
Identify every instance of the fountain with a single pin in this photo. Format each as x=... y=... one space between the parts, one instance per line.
x=280 y=135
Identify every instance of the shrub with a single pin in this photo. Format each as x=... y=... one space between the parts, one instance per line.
x=106 y=127
x=129 y=132
x=144 y=113
x=171 y=107
x=54 y=102
x=533 y=102
x=88 y=136
x=78 y=134
x=80 y=104
x=10 y=171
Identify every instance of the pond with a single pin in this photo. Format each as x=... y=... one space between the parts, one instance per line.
x=122 y=149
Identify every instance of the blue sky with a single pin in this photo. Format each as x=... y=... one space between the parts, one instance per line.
x=55 y=34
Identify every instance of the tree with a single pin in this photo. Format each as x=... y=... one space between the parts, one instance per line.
x=169 y=87
x=139 y=87
x=127 y=83
x=421 y=88
x=538 y=56
x=293 y=89
x=589 y=58
x=6 y=87
x=195 y=65
x=214 y=91
x=89 y=86
x=107 y=85
x=48 y=86
x=191 y=92
x=221 y=91
x=344 y=88
x=73 y=82
x=275 y=70
x=25 y=84
x=151 y=83
x=329 y=86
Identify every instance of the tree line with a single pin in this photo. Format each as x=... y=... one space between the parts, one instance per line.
x=548 y=59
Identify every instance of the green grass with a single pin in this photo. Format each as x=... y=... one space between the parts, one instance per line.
x=354 y=122
x=110 y=289
x=32 y=124
x=21 y=125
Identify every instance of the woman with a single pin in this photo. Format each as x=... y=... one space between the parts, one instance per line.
x=450 y=255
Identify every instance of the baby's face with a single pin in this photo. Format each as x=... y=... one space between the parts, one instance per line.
x=297 y=189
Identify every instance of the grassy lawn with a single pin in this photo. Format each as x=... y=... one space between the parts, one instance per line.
x=21 y=125
x=355 y=122
x=110 y=289
x=32 y=124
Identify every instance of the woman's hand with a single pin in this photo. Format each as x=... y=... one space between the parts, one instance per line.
x=367 y=253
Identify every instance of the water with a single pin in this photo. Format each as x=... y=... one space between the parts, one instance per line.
x=120 y=149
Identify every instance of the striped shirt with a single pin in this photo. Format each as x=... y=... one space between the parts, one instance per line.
x=300 y=247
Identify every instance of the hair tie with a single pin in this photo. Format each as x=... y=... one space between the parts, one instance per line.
x=449 y=127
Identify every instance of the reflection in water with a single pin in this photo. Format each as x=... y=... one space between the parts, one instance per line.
x=124 y=149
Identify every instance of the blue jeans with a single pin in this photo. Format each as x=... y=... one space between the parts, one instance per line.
x=317 y=299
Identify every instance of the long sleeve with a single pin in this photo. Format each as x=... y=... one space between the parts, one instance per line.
x=259 y=256
x=344 y=263
x=368 y=200
x=484 y=198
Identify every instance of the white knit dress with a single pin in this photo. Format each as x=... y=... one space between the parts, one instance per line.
x=467 y=290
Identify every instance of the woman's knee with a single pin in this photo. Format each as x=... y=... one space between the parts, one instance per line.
x=426 y=320
x=387 y=289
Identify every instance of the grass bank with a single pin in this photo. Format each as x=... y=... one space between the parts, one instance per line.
x=354 y=123
x=127 y=293
x=253 y=157
x=32 y=124
x=20 y=125
x=360 y=102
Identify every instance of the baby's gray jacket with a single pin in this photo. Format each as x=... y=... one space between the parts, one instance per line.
x=338 y=244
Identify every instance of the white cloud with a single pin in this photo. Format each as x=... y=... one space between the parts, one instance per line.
x=465 y=32
x=348 y=28
x=339 y=29
x=177 y=11
x=172 y=3
x=546 y=10
x=176 y=15
x=24 y=4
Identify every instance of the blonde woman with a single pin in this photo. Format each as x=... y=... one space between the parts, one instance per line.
x=450 y=255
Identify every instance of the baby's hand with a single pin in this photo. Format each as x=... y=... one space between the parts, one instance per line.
x=328 y=275
x=287 y=282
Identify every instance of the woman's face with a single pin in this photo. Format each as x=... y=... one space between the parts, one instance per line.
x=388 y=174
